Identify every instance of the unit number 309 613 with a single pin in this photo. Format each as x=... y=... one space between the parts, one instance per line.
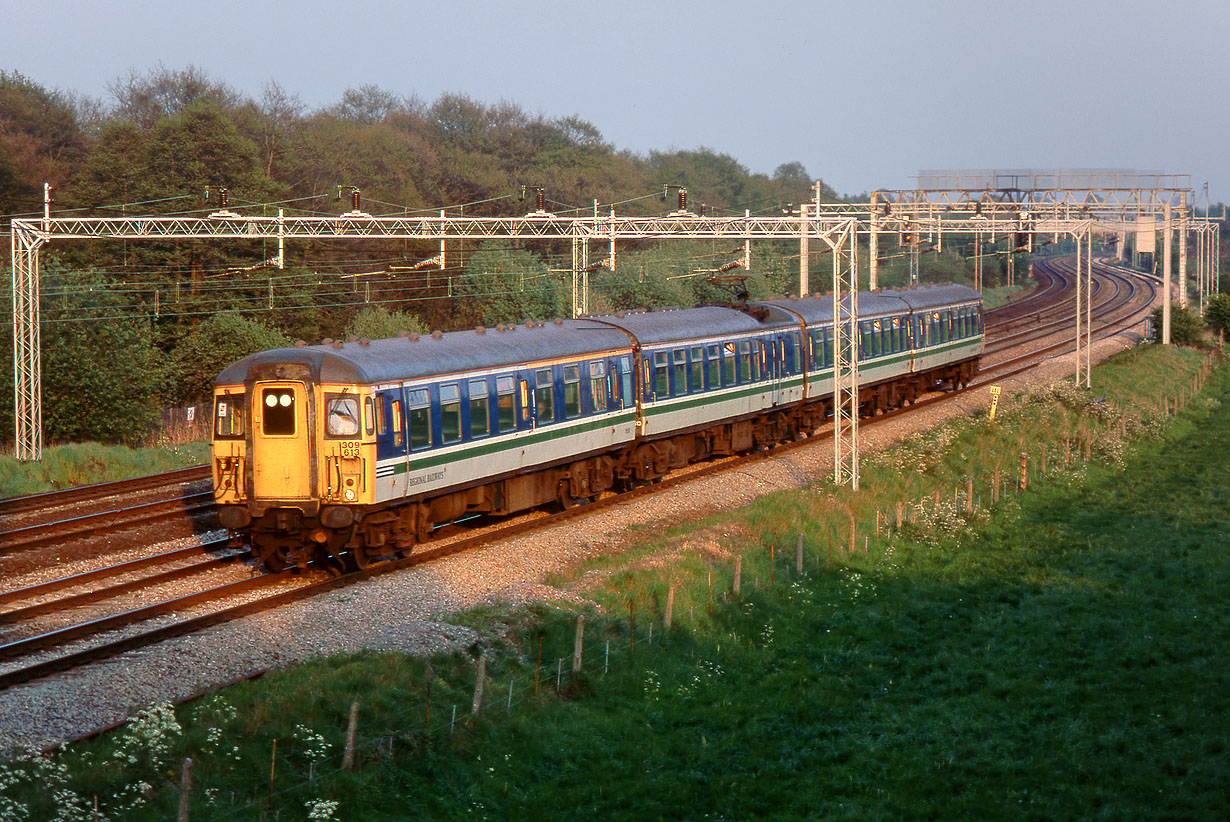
x=350 y=449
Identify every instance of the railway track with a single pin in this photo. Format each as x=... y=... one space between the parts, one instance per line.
x=28 y=652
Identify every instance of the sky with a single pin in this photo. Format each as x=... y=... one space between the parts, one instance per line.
x=863 y=94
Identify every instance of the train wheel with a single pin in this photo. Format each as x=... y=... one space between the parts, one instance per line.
x=361 y=557
x=273 y=552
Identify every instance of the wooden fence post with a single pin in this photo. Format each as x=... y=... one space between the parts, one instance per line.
x=185 y=790
x=1024 y=480
x=538 y=665
x=351 y=727
x=738 y=573
x=273 y=764
x=577 y=644
x=969 y=494
x=670 y=606
x=798 y=552
x=476 y=705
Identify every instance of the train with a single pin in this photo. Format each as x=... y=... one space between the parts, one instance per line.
x=348 y=452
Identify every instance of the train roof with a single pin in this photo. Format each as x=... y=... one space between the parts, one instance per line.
x=682 y=324
x=819 y=310
x=406 y=358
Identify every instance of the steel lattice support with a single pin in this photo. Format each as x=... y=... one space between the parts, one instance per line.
x=1084 y=304
x=845 y=363
x=27 y=368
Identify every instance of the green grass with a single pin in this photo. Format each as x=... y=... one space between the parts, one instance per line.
x=1063 y=655
x=66 y=466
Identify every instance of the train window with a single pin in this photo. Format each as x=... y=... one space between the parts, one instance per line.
x=756 y=357
x=679 y=371
x=480 y=420
x=597 y=385
x=342 y=415
x=228 y=416
x=506 y=403
x=625 y=372
x=420 y=418
x=544 y=395
x=877 y=343
x=715 y=366
x=697 y=374
x=728 y=364
x=279 y=414
x=661 y=378
x=450 y=412
x=369 y=415
x=572 y=390
x=616 y=394
x=395 y=413
x=745 y=361
x=797 y=342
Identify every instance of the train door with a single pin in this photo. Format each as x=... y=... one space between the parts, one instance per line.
x=775 y=367
x=281 y=441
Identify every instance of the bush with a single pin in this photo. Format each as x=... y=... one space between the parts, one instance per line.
x=212 y=346
x=1186 y=327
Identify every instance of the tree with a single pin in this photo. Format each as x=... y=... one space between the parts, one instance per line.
x=39 y=142
x=100 y=369
x=376 y=322
x=366 y=105
x=146 y=99
x=212 y=346
x=1217 y=312
x=507 y=286
x=1186 y=327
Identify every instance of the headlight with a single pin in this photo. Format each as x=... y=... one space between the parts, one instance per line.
x=349 y=495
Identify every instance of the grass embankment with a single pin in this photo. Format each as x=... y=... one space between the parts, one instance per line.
x=1060 y=655
x=67 y=466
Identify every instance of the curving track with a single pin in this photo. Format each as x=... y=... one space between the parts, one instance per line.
x=48 y=633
